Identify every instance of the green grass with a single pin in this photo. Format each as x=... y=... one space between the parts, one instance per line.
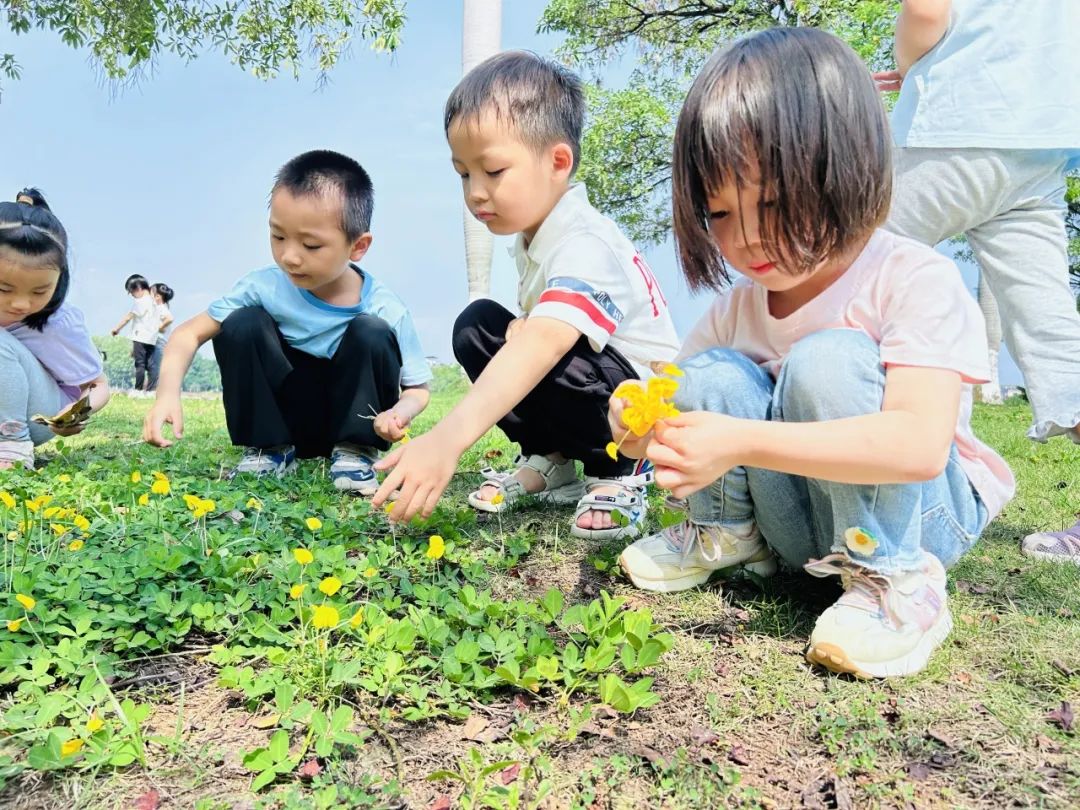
x=210 y=652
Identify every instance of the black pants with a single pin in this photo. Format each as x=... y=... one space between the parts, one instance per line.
x=567 y=411
x=275 y=394
x=141 y=353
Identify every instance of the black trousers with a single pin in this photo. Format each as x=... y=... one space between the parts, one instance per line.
x=567 y=411
x=275 y=394
x=141 y=353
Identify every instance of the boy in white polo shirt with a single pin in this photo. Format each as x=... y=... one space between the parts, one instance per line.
x=144 y=329
x=593 y=313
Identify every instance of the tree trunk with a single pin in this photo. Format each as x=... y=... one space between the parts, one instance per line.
x=480 y=39
x=991 y=392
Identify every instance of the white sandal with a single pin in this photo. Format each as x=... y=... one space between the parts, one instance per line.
x=630 y=503
x=561 y=484
x=18 y=453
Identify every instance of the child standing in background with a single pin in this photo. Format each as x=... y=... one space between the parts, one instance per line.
x=144 y=327
x=162 y=294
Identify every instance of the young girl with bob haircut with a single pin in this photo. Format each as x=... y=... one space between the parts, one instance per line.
x=827 y=398
x=47 y=360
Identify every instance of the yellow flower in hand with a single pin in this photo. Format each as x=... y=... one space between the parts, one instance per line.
x=860 y=541
x=303 y=556
x=612 y=450
x=325 y=616
x=330 y=586
x=313 y=524
x=436 y=548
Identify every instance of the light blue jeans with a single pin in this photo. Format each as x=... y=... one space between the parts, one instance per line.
x=26 y=388
x=828 y=375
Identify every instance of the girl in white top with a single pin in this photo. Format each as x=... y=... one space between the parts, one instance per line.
x=162 y=294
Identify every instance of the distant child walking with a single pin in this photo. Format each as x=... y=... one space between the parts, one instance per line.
x=47 y=360
x=827 y=398
x=318 y=357
x=144 y=327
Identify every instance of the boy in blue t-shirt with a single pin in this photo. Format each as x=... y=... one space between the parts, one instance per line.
x=310 y=348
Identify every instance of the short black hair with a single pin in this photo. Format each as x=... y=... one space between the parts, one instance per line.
x=795 y=110
x=540 y=99
x=322 y=173
x=34 y=232
x=136 y=282
x=163 y=290
x=37 y=199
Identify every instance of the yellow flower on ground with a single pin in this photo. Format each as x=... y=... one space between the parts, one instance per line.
x=860 y=541
x=58 y=529
x=94 y=723
x=313 y=524
x=436 y=548
x=612 y=450
x=203 y=508
x=330 y=586
x=144 y=499
x=81 y=523
x=296 y=591
x=497 y=498
x=303 y=556
x=76 y=545
x=27 y=602
x=51 y=512
x=64 y=478
x=136 y=477
x=369 y=572
x=161 y=486
x=7 y=500
x=159 y=476
x=254 y=503
x=72 y=746
x=192 y=501
x=325 y=616
x=15 y=624
x=13 y=536
x=357 y=619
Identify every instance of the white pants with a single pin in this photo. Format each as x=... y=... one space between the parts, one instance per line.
x=1010 y=204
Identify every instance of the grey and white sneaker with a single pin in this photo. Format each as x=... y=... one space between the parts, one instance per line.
x=264 y=461
x=351 y=468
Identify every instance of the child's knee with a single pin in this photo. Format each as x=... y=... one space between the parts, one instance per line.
x=482 y=315
x=246 y=321
x=831 y=374
x=717 y=378
x=370 y=333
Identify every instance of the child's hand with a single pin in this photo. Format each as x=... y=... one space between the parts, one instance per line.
x=515 y=326
x=692 y=450
x=166 y=409
x=419 y=472
x=631 y=446
x=67 y=430
x=391 y=426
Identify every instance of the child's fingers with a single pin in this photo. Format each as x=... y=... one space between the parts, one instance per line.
x=177 y=422
x=661 y=455
x=668 y=478
x=390 y=460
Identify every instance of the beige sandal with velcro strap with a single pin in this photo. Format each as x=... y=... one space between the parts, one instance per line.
x=561 y=484
x=630 y=504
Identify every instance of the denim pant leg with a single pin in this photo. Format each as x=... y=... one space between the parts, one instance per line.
x=26 y=388
x=838 y=373
x=725 y=381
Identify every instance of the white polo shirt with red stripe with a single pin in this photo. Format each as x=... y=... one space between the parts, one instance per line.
x=581 y=269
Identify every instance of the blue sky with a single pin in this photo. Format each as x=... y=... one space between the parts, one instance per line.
x=170 y=178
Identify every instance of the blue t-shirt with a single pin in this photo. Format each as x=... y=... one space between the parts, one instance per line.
x=1006 y=75
x=315 y=327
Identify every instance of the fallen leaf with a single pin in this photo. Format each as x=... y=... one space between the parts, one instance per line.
x=917 y=770
x=597 y=730
x=1044 y=743
x=699 y=736
x=266 y=721
x=148 y=801
x=235 y=515
x=941 y=760
x=508 y=775
x=442 y=802
x=738 y=755
x=1060 y=666
x=493 y=453
x=940 y=737
x=473 y=726
x=604 y=712
x=653 y=756
x=309 y=770
x=492 y=734
x=520 y=704
x=967 y=619
x=1062 y=716
x=963 y=677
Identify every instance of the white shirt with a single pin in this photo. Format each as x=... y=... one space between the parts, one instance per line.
x=144 y=320
x=162 y=312
x=581 y=269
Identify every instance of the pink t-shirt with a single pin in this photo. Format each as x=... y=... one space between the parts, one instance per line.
x=64 y=348
x=904 y=295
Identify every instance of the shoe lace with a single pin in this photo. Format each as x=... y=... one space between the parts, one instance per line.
x=861 y=585
x=685 y=536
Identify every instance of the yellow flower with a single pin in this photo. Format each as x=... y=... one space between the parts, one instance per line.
x=160 y=486
x=673 y=370
x=94 y=723
x=136 y=477
x=313 y=524
x=76 y=545
x=436 y=548
x=330 y=586
x=357 y=619
x=27 y=602
x=254 y=503
x=612 y=450
x=303 y=556
x=389 y=507
x=203 y=507
x=159 y=476
x=296 y=591
x=13 y=536
x=72 y=746
x=58 y=529
x=860 y=541
x=38 y=502
x=406 y=438
x=64 y=478
x=370 y=572
x=497 y=498
x=23 y=526
x=15 y=624
x=325 y=616
x=144 y=499
x=51 y=512
x=192 y=501
x=7 y=500
x=81 y=523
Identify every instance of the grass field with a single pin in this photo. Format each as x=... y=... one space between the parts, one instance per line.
x=179 y=653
